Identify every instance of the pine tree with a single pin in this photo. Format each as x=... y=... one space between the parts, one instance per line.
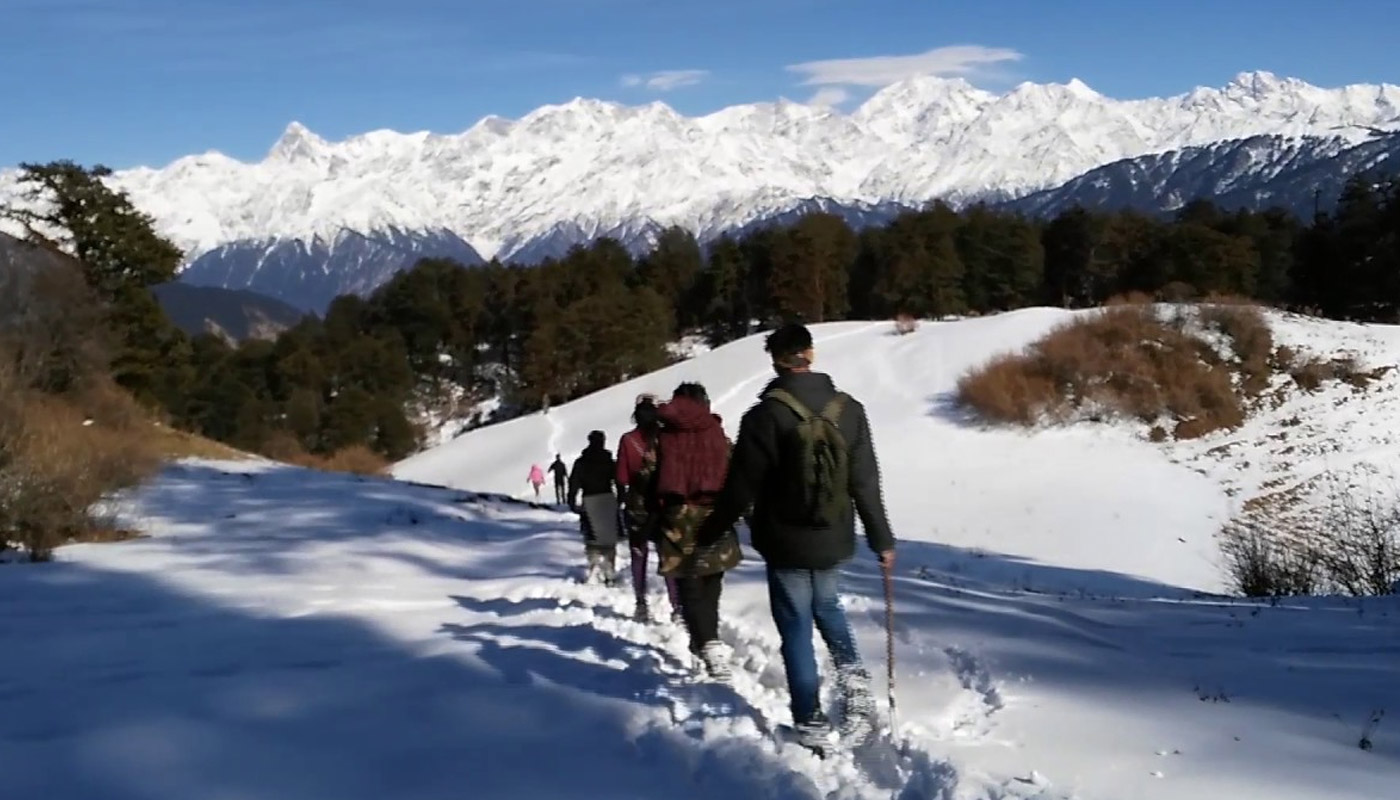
x=72 y=206
x=671 y=270
x=1069 y=242
x=719 y=295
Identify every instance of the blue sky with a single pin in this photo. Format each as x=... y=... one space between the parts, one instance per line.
x=127 y=82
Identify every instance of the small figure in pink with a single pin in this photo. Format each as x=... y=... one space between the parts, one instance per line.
x=536 y=479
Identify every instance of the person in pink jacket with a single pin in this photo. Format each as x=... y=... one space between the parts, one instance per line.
x=536 y=479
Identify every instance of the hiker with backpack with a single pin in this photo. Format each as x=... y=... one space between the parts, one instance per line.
x=805 y=462
x=561 y=479
x=636 y=468
x=592 y=477
x=691 y=460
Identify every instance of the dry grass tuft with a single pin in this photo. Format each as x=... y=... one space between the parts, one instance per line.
x=56 y=462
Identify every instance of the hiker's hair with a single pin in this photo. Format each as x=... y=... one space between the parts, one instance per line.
x=787 y=344
x=694 y=391
x=597 y=438
x=644 y=414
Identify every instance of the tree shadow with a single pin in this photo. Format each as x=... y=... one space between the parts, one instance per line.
x=116 y=686
x=946 y=407
x=261 y=521
x=1125 y=640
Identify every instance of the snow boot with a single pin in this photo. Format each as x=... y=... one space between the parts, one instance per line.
x=857 y=704
x=815 y=734
x=643 y=613
x=714 y=662
x=595 y=566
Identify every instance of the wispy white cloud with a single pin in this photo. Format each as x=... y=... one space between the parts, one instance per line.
x=666 y=80
x=829 y=96
x=964 y=60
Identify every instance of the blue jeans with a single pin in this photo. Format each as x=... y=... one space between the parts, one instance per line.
x=801 y=598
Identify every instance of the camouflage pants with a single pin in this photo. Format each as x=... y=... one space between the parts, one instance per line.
x=678 y=553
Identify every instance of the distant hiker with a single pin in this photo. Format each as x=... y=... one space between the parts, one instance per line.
x=806 y=479
x=536 y=478
x=692 y=456
x=592 y=476
x=561 y=479
x=636 y=469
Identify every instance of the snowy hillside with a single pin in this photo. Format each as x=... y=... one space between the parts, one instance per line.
x=1091 y=497
x=1036 y=497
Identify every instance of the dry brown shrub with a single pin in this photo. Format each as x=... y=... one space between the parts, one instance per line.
x=905 y=324
x=1130 y=299
x=355 y=459
x=1122 y=361
x=283 y=446
x=56 y=463
x=1004 y=390
x=173 y=443
x=1311 y=374
x=1251 y=339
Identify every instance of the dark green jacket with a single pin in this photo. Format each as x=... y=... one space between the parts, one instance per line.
x=756 y=464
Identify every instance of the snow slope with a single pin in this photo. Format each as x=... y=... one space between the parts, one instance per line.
x=1043 y=497
x=286 y=633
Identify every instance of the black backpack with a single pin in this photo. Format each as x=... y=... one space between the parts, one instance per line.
x=816 y=485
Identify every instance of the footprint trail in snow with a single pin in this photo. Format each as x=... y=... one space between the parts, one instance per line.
x=743 y=714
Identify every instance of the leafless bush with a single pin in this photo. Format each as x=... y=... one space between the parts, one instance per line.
x=1349 y=545
x=1262 y=563
x=1361 y=555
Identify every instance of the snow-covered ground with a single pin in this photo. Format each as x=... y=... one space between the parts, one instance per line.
x=1080 y=498
x=287 y=633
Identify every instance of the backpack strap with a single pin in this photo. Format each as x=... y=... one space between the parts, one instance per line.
x=832 y=412
x=786 y=398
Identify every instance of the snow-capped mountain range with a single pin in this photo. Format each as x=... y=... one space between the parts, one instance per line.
x=563 y=173
x=1300 y=174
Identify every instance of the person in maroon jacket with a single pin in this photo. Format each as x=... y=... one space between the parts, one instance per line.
x=691 y=463
x=636 y=469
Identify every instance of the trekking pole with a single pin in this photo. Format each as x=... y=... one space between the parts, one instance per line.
x=889 y=641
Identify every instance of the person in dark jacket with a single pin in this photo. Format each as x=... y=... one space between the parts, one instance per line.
x=592 y=477
x=802 y=560
x=636 y=469
x=561 y=479
x=692 y=457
